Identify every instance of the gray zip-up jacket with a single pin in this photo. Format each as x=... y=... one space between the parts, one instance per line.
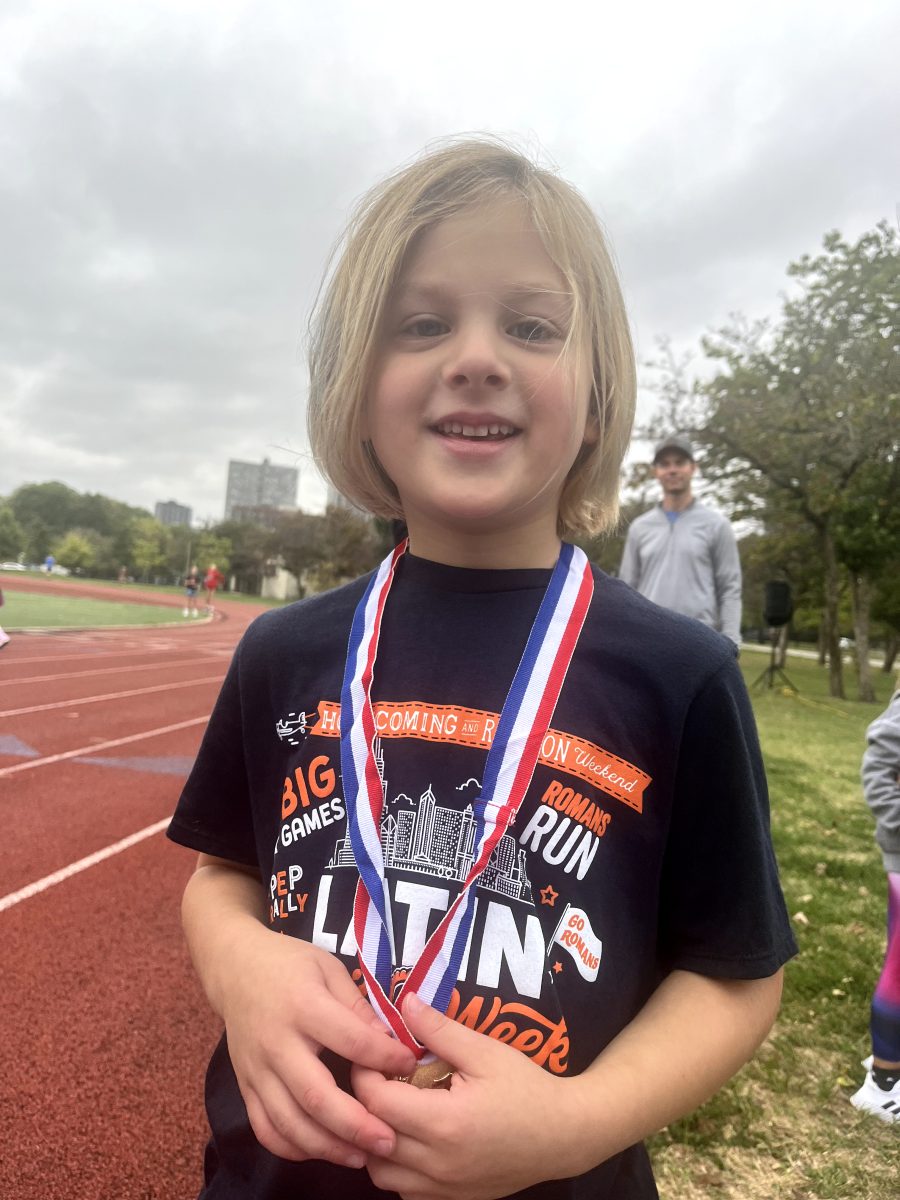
x=881 y=781
x=690 y=565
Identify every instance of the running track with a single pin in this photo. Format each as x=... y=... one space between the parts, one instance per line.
x=104 y=1033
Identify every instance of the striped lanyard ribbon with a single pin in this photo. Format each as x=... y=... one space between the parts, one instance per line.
x=508 y=771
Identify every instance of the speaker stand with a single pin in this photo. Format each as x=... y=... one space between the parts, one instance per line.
x=766 y=677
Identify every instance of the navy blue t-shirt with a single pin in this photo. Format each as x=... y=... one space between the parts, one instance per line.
x=642 y=844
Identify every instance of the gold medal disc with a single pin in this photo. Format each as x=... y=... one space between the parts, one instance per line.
x=436 y=1074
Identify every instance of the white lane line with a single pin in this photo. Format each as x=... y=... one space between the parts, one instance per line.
x=138 y=650
x=160 y=687
x=86 y=655
x=49 y=881
x=98 y=746
x=154 y=666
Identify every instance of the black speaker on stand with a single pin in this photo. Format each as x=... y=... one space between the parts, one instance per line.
x=778 y=610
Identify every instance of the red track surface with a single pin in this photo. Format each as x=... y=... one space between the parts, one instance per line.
x=104 y=1033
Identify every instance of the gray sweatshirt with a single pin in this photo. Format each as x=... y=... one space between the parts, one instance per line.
x=881 y=781
x=689 y=565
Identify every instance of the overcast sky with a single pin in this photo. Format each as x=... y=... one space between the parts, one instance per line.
x=173 y=174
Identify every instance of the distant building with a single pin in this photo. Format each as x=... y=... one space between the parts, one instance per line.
x=260 y=485
x=171 y=513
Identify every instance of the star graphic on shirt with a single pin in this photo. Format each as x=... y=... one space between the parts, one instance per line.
x=548 y=896
x=557 y=966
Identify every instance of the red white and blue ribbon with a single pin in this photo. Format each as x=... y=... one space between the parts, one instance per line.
x=508 y=771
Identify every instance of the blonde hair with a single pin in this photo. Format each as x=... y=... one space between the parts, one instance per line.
x=346 y=324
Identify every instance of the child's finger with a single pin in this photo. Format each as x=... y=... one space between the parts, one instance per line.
x=394 y=1177
x=309 y=1110
x=339 y=1018
x=413 y=1113
x=284 y=1129
x=464 y=1048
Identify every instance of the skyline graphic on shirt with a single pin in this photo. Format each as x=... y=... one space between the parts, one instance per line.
x=432 y=839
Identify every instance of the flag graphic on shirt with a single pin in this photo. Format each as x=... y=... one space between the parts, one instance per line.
x=574 y=933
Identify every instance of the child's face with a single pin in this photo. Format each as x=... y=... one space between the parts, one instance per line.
x=473 y=412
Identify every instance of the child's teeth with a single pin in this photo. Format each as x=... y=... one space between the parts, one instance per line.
x=475 y=431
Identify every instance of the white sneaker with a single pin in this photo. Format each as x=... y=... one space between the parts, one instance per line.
x=187 y=612
x=872 y=1099
x=195 y=613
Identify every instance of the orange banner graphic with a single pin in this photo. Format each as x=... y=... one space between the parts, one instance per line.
x=474 y=727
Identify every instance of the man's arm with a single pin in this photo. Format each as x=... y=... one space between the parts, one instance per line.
x=630 y=567
x=727 y=579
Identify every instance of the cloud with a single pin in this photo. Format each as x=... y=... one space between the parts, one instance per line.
x=173 y=176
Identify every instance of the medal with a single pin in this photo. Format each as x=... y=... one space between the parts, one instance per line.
x=431 y=1075
x=511 y=760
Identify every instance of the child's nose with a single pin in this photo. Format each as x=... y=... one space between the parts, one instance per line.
x=475 y=360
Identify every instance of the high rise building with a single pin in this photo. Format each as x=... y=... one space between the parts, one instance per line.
x=259 y=485
x=172 y=513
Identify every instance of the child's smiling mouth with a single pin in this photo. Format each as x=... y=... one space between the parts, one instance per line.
x=494 y=431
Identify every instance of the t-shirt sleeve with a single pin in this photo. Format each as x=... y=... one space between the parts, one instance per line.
x=214 y=812
x=722 y=912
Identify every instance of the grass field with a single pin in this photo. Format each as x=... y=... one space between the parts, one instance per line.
x=29 y=610
x=784 y=1128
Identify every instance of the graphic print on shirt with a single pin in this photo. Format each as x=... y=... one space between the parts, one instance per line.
x=439 y=840
x=529 y=935
x=294 y=727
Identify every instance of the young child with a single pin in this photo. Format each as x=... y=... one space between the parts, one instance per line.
x=191 y=588
x=540 y=812
x=880 y=1092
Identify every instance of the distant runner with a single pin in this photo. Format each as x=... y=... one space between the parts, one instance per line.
x=214 y=579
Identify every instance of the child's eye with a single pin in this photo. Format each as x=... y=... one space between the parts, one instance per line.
x=424 y=327
x=531 y=329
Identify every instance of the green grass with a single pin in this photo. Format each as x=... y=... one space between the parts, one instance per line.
x=28 y=610
x=784 y=1128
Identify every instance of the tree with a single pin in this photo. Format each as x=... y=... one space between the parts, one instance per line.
x=150 y=546
x=251 y=547
x=886 y=611
x=867 y=534
x=47 y=511
x=12 y=535
x=211 y=548
x=75 y=550
x=349 y=546
x=297 y=540
x=799 y=415
x=52 y=506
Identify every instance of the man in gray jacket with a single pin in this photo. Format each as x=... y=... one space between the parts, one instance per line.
x=681 y=554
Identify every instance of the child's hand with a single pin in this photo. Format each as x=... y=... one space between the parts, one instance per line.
x=501 y=1127
x=286 y=1001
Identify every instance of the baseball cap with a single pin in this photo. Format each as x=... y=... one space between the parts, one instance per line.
x=678 y=442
